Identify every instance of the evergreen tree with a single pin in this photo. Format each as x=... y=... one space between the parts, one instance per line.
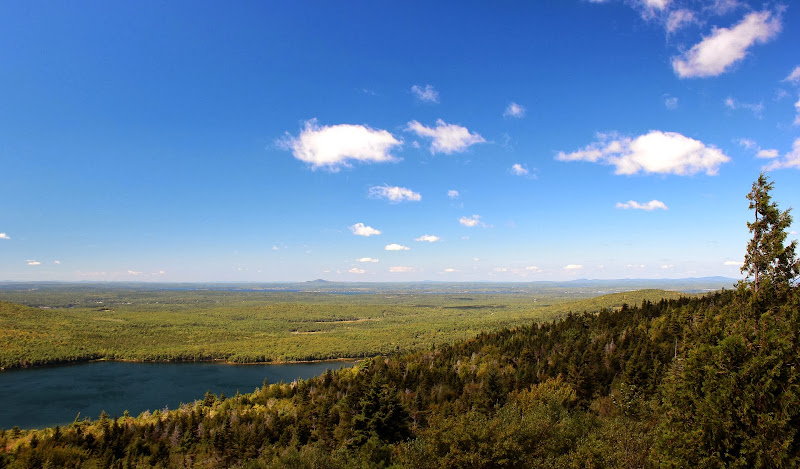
x=769 y=261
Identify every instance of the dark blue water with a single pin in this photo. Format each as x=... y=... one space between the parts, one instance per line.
x=45 y=397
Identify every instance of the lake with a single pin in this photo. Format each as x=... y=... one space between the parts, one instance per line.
x=49 y=396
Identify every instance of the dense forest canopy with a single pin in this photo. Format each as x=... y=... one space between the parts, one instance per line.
x=709 y=381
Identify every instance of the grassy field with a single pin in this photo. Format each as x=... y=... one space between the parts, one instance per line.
x=74 y=324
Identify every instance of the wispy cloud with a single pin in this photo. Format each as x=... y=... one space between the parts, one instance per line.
x=33 y=262
x=366 y=259
x=733 y=263
x=678 y=19
x=356 y=270
x=733 y=104
x=427 y=93
x=519 y=170
x=453 y=194
x=794 y=76
x=472 y=221
x=361 y=229
x=789 y=160
x=396 y=247
x=394 y=193
x=335 y=146
x=447 y=138
x=428 y=238
x=655 y=152
x=648 y=206
x=671 y=103
x=400 y=269
x=726 y=46
x=514 y=110
x=4 y=236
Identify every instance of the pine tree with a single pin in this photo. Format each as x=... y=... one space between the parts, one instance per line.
x=771 y=263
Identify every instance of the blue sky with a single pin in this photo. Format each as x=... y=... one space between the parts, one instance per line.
x=381 y=141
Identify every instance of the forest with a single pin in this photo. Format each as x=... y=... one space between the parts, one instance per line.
x=709 y=381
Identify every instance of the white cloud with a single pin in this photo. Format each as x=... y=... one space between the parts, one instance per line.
x=733 y=104
x=453 y=194
x=396 y=247
x=360 y=229
x=500 y=269
x=533 y=268
x=678 y=19
x=789 y=160
x=655 y=152
x=4 y=236
x=716 y=53
x=276 y=248
x=649 y=206
x=747 y=143
x=33 y=262
x=366 y=259
x=519 y=170
x=667 y=266
x=733 y=263
x=447 y=138
x=332 y=147
x=671 y=103
x=400 y=268
x=514 y=110
x=427 y=94
x=449 y=270
x=394 y=193
x=428 y=238
x=656 y=4
x=771 y=153
x=797 y=108
x=356 y=270
x=56 y=262
x=573 y=267
x=471 y=221
x=794 y=76
x=134 y=273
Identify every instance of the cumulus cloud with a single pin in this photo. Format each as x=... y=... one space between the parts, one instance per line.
x=533 y=268
x=453 y=194
x=33 y=262
x=335 y=146
x=725 y=46
x=356 y=270
x=649 y=206
x=448 y=270
x=396 y=247
x=573 y=267
x=667 y=266
x=427 y=94
x=394 y=193
x=655 y=152
x=789 y=160
x=733 y=263
x=401 y=269
x=4 y=236
x=656 y=4
x=366 y=259
x=447 y=138
x=514 y=110
x=361 y=229
x=428 y=238
x=519 y=170
x=794 y=76
x=470 y=221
